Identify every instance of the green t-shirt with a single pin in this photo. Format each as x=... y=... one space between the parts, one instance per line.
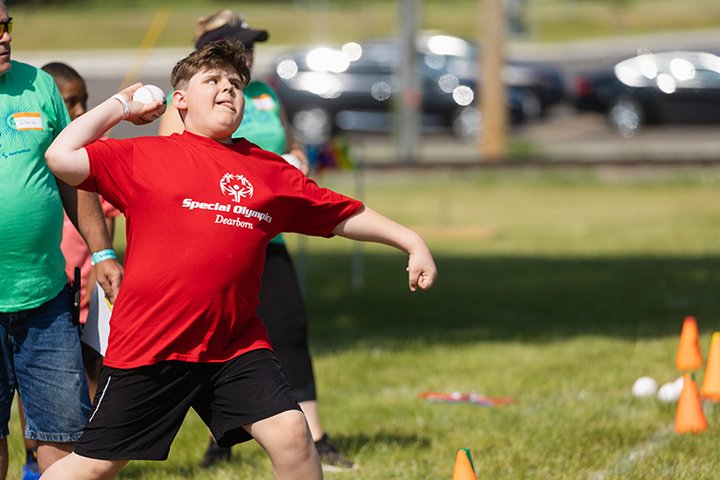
x=32 y=113
x=261 y=122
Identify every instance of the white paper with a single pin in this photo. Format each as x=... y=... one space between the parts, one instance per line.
x=292 y=160
x=97 y=329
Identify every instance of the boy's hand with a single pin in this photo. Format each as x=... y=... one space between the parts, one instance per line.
x=421 y=271
x=109 y=274
x=141 y=113
x=370 y=226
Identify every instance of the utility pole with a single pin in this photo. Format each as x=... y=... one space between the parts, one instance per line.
x=493 y=96
x=410 y=100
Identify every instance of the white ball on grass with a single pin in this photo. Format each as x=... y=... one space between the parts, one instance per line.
x=644 y=387
x=668 y=393
x=678 y=383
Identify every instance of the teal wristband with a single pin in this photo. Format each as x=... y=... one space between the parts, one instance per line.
x=103 y=255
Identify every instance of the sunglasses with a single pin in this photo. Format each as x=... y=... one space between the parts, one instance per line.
x=6 y=26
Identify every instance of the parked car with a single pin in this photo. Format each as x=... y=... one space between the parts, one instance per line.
x=540 y=85
x=353 y=87
x=668 y=87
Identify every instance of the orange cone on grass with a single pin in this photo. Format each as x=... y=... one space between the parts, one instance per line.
x=464 y=468
x=689 y=357
x=690 y=417
x=711 y=381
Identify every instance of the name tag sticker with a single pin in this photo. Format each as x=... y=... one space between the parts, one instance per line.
x=264 y=102
x=28 y=121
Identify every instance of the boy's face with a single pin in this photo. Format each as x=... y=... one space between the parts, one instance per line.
x=212 y=103
x=75 y=96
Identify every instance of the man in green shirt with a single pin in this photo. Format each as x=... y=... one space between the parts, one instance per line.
x=39 y=344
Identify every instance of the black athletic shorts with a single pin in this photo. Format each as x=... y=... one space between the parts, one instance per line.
x=137 y=412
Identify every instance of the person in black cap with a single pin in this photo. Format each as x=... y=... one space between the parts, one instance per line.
x=225 y=25
x=281 y=304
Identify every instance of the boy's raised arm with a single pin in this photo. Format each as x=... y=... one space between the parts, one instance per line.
x=66 y=156
x=370 y=226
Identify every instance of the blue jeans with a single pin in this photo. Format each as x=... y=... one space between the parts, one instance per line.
x=41 y=358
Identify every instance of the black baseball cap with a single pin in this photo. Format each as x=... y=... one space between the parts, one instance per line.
x=240 y=33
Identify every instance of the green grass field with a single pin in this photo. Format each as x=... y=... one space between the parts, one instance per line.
x=556 y=288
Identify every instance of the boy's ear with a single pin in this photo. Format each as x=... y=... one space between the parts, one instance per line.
x=178 y=99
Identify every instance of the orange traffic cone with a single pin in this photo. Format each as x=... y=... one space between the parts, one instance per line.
x=689 y=357
x=711 y=381
x=689 y=417
x=464 y=468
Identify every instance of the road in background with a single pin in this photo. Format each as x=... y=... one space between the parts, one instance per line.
x=563 y=135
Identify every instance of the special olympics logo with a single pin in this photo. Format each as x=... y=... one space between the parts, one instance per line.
x=236 y=186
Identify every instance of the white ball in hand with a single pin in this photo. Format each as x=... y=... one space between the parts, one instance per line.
x=149 y=94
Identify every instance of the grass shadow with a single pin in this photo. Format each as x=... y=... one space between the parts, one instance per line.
x=509 y=298
x=138 y=470
x=381 y=440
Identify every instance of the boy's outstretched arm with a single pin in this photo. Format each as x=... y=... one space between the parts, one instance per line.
x=67 y=157
x=370 y=226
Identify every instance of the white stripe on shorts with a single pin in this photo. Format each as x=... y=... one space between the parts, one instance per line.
x=101 y=399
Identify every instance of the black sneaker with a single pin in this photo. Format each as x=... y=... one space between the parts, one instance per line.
x=215 y=454
x=331 y=458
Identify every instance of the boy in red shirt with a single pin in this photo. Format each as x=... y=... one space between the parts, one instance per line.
x=201 y=208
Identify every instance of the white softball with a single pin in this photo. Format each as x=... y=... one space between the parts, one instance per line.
x=668 y=392
x=644 y=387
x=678 y=384
x=149 y=94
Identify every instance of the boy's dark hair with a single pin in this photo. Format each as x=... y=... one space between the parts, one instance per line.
x=215 y=55
x=62 y=72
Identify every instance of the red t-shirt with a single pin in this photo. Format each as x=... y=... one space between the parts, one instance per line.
x=199 y=216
